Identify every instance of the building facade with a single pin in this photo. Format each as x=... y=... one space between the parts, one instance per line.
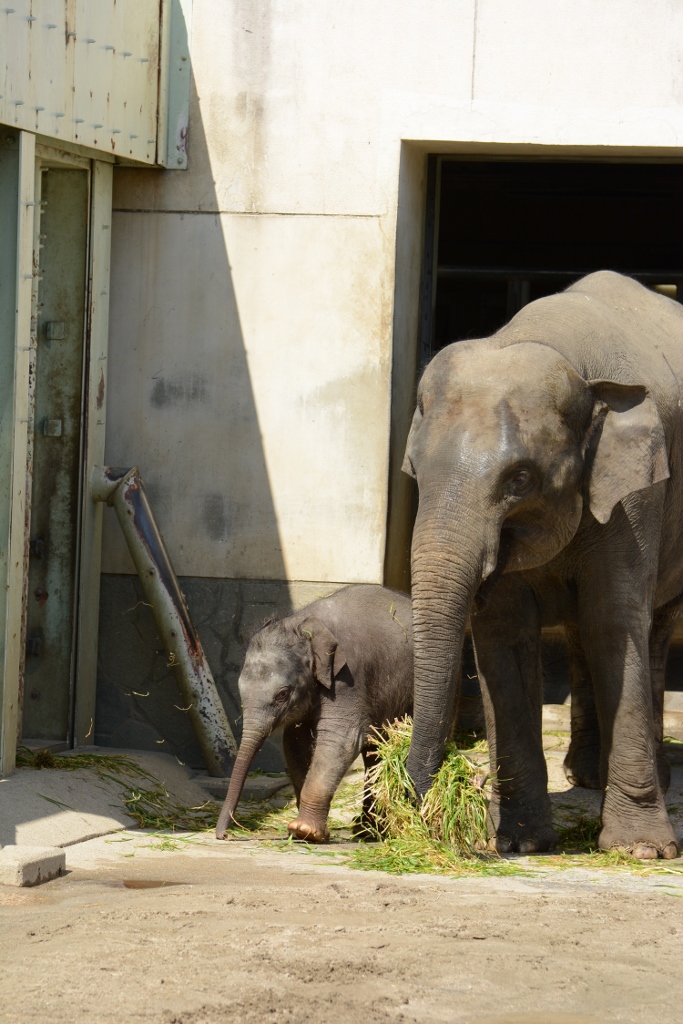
x=271 y=304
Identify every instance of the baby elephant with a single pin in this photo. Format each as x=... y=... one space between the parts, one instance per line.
x=327 y=674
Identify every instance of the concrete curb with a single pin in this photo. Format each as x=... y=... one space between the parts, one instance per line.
x=30 y=865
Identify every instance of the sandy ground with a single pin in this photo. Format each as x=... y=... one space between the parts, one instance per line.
x=246 y=934
x=249 y=932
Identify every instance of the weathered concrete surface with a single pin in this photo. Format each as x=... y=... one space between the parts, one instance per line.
x=257 y=297
x=557 y=716
x=279 y=421
x=238 y=934
x=256 y=787
x=55 y=807
x=216 y=933
x=30 y=865
x=138 y=704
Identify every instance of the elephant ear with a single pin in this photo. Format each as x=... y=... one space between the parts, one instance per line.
x=407 y=466
x=631 y=450
x=328 y=659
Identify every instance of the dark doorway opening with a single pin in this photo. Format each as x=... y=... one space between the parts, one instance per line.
x=506 y=233
x=499 y=234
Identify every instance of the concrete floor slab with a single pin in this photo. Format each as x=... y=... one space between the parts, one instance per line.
x=55 y=807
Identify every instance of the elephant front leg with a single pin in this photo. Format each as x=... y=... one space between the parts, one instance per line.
x=507 y=647
x=333 y=755
x=582 y=763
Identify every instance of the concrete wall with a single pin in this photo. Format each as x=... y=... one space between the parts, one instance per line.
x=253 y=300
x=265 y=302
x=138 y=704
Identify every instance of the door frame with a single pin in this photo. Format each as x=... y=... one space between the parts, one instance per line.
x=14 y=567
x=416 y=250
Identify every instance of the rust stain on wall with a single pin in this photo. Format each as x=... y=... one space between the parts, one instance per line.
x=100 y=391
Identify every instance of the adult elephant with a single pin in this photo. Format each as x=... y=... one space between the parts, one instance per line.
x=548 y=461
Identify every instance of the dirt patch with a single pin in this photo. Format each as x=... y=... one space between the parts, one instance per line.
x=148 y=929
x=257 y=935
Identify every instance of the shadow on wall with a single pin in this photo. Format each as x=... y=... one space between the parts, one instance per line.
x=181 y=407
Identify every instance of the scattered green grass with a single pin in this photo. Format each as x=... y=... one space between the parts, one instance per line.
x=414 y=855
x=578 y=834
x=446 y=834
x=473 y=740
x=452 y=813
x=612 y=860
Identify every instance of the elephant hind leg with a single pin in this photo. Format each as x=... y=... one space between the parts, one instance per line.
x=582 y=763
x=664 y=621
x=298 y=742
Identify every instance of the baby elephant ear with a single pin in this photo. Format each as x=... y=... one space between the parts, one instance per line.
x=328 y=659
x=631 y=450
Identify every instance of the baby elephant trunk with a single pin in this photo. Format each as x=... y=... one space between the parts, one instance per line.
x=252 y=742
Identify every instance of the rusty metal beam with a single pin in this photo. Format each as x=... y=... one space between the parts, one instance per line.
x=123 y=490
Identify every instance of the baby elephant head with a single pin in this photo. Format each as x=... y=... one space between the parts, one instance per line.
x=285 y=663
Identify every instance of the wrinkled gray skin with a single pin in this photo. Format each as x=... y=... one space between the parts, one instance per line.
x=548 y=461
x=328 y=674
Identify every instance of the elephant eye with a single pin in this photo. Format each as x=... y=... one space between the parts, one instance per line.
x=521 y=482
x=282 y=695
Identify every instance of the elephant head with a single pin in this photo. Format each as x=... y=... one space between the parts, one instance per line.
x=507 y=444
x=286 y=661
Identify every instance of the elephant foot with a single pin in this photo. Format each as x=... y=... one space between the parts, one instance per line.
x=517 y=831
x=641 y=829
x=309 y=831
x=582 y=763
x=650 y=850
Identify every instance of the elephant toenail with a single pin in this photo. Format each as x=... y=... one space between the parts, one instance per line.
x=527 y=846
x=670 y=852
x=503 y=845
x=643 y=851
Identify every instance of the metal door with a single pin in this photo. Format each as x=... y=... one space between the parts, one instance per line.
x=62 y=260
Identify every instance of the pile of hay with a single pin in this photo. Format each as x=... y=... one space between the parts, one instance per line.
x=447 y=832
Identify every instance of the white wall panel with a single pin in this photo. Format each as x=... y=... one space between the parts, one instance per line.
x=249 y=379
x=271 y=324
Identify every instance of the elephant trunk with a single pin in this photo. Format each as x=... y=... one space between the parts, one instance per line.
x=450 y=558
x=253 y=738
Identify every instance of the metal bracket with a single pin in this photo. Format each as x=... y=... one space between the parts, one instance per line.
x=55 y=330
